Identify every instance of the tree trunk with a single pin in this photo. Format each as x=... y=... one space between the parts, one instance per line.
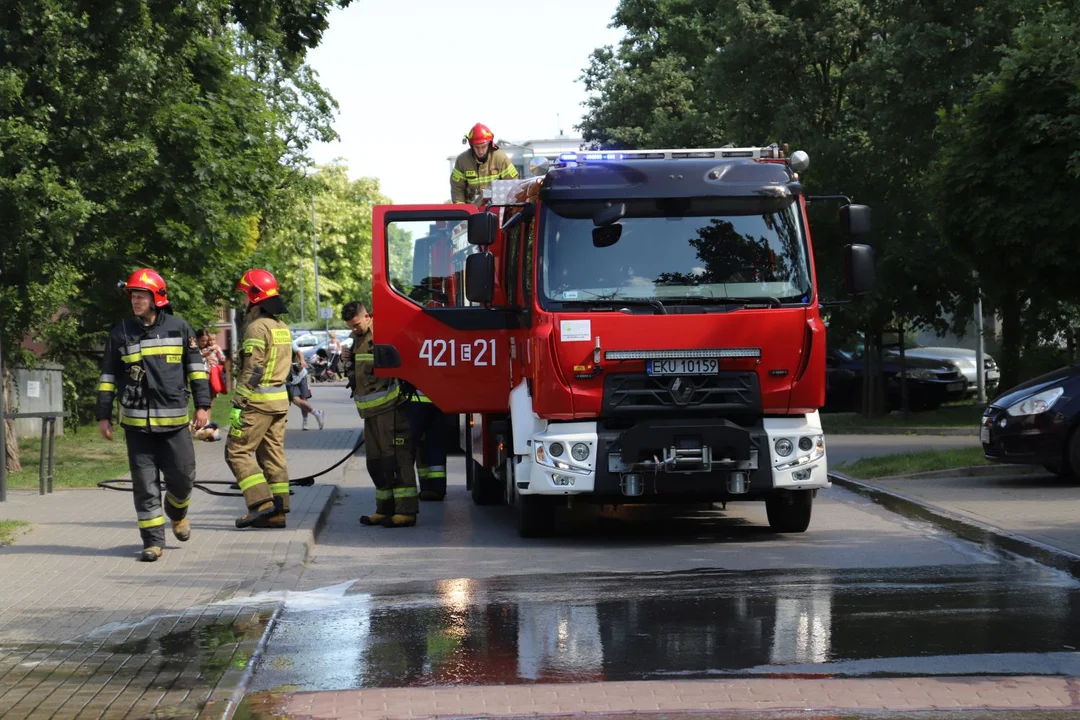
x=11 y=443
x=1012 y=339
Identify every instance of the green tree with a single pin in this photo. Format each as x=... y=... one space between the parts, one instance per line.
x=142 y=132
x=1008 y=173
x=342 y=216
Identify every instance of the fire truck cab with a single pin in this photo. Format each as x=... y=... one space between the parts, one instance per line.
x=624 y=327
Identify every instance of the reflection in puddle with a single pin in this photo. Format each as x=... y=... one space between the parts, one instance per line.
x=629 y=627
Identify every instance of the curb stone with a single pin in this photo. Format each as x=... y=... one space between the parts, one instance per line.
x=963 y=527
x=233 y=683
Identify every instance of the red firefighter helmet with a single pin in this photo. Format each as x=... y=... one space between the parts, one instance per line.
x=479 y=133
x=149 y=280
x=258 y=285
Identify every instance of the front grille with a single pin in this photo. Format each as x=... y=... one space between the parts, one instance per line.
x=726 y=393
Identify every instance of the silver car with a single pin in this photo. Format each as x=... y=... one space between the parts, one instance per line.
x=963 y=358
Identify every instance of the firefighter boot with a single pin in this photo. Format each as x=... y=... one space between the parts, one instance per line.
x=260 y=512
x=275 y=521
x=181 y=529
x=374 y=519
x=150 y=554
x=399 y=521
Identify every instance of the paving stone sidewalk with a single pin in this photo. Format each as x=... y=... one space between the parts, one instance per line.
x=74 y=598
x=795 y=695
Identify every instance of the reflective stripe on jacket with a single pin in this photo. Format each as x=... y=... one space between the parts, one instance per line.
x=267 y=353
x=373 y=395
x=469 y=178
x=152 y=369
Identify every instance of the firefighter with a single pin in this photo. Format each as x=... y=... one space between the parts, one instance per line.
x=478 y=166
x=255 y=449
x=386 y=428
x=427 y=427
x=150 y=361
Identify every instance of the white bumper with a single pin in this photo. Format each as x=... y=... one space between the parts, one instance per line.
x=550 y=468
x=801 y=469
x=548 y=473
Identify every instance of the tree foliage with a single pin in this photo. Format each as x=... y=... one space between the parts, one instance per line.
x=862 y=86
x=341 y=212
x=144 y=133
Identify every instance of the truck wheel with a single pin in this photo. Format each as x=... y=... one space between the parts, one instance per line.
x=789 y=511
x=486 y=488
x=535 y=515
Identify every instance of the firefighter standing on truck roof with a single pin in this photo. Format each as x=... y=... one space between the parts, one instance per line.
x=150 y=359
x=255 y=449
x=477 y=167
x=386 y=428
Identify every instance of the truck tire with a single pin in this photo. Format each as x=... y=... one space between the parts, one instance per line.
x=486 y=488
x=789 y=511
x=535 y=515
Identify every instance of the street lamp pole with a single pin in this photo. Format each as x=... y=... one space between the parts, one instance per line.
x=315 y=245
x=300 y=262
x=3 y=426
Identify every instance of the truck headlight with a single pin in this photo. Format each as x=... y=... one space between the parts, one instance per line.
x=1037 y=403
x=783 y=447
x=580 y=451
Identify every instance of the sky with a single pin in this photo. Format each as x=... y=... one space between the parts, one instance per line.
x=412 y=76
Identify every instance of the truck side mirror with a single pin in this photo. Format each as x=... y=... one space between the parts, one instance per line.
x=482 y=228
x=858 y=269
x=480 y=277
x=855 y=220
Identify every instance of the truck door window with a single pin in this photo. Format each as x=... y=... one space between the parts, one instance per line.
x=427 y=261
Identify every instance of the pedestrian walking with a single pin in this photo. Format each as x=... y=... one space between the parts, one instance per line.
x=150 y=361
x=300 y=391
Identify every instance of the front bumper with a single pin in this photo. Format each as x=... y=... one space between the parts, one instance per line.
x=679 y=460
x=1024 y=440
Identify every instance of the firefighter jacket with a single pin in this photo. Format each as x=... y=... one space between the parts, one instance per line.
x=373 y=395
x=267 y=359
x=150 y=368
x=469 y=177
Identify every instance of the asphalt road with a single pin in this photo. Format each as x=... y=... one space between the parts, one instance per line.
x=662 y=593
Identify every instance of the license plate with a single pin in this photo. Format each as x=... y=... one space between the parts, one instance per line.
x=954 y=387
x=683 y=366
x=984 y=434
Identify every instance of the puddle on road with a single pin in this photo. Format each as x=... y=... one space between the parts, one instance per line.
x=1004 y=619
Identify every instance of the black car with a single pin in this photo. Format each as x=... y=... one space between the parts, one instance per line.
x=929 y=382
x=1035 y=423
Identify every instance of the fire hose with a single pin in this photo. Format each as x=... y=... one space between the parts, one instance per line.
x=306 y=481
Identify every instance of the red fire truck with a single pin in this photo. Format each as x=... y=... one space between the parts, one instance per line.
x=624 y=327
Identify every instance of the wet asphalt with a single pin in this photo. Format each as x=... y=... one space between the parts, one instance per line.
x=1008 y=618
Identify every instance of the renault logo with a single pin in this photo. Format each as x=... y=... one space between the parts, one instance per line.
x=680 y=391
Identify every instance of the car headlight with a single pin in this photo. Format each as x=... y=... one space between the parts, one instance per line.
x=919 y=374
x=1037 y=403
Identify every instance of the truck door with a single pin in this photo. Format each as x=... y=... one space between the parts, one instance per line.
x=426 y=332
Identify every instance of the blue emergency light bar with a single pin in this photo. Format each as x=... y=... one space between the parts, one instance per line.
x=755 y=153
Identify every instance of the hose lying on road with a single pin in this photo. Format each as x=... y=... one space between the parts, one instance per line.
x=305 y=481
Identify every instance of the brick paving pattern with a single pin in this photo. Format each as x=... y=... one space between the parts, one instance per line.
x=85 y=628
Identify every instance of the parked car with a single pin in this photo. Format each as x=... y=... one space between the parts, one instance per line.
x=1037 y=423
x=930 y=383
x=962 y=357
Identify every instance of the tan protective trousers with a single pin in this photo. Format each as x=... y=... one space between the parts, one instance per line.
x=256 y=455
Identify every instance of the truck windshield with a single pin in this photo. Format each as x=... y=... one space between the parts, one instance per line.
x=688 y=251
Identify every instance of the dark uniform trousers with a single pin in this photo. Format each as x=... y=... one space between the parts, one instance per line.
x=429 y=443
x=256 y=455
x=174 y=453
x=390 y=462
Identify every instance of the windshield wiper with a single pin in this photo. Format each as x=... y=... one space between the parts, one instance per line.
x=638 y=302
x=744 y=301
